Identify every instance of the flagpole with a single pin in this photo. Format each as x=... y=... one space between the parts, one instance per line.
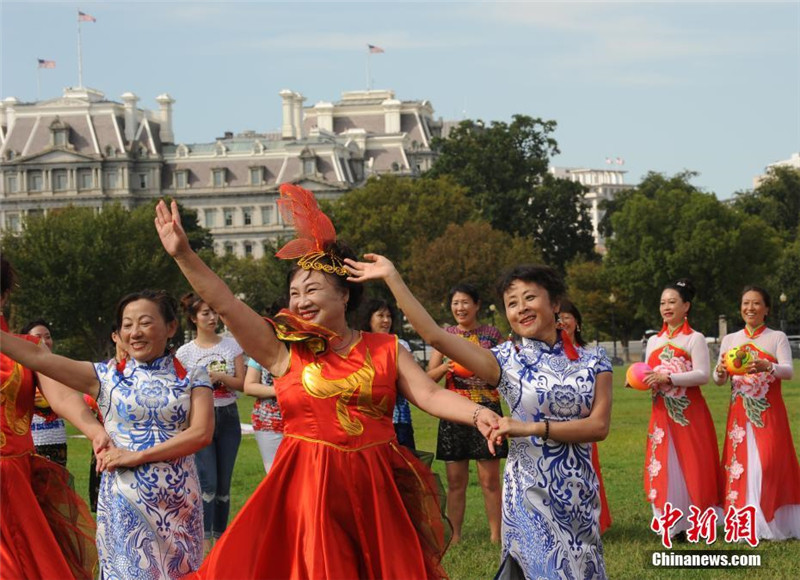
x=369 y=74
x=38 y=81
x=80 y=56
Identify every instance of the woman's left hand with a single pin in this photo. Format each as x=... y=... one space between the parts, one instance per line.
x=487 y=422
x=760 y=365
x=655 y=379
x=115 y=457
x=216 y=377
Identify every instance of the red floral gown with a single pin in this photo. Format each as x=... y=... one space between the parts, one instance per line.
x=682 y=457
x=343 y=500
x=759 y=458
x=46 y=530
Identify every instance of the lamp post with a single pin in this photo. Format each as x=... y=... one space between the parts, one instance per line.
x=612 y=299
x=783 y=298
x=492 y=310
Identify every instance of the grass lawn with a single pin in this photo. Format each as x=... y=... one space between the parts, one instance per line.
x=628 y=543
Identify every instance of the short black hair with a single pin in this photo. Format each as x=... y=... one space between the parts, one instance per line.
x=167 y=306
x=33 y=324
x=464 y=288
x=545 y=276
x=372 y=306
x=764 y=295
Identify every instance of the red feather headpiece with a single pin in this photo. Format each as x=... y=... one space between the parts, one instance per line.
x=315 y=232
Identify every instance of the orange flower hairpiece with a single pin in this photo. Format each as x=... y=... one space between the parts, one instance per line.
x=315 y=232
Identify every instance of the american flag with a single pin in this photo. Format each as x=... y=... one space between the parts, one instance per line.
x=375 y=49
x=83 y=17
x=46 y=63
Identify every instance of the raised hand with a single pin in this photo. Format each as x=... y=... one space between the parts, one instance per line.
x=376 y=267
x=170 y=230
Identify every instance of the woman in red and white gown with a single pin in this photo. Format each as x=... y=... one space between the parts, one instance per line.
x=759 y=457
x=681 y=457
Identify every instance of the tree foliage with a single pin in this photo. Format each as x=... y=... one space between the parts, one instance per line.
x=389 y=213
x=505 y=169
x=74 y=265
x=776 y=200
x=473 y=252
x=667 y=229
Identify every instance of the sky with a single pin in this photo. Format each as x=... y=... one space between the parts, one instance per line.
x=709 y=87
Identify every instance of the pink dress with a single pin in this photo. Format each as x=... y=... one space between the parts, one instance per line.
x=759 y=458
x=682 y=457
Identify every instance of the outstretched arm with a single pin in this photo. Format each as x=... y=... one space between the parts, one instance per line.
x=70 y=404
x=252 y=332
x=415 y=385
x=474 y=357
x=78 y=375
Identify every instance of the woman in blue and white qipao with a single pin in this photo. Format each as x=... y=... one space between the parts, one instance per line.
x=560 y=401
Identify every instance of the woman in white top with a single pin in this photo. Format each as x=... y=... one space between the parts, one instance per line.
x=759 y=458
x=222 y=358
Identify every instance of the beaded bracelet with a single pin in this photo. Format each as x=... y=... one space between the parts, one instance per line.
x=478 y=409
x=546 y=430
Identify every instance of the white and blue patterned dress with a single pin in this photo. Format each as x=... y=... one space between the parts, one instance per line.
x=149 y=518
x=551 y=502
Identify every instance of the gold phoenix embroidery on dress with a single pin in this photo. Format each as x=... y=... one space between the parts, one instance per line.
x=361 y=380
x=8 y=398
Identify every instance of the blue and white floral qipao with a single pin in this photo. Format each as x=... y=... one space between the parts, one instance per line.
x=551 y=502
x=149 y=518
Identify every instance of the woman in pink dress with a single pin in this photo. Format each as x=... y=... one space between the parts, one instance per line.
x=759 y=458
x=681 y=455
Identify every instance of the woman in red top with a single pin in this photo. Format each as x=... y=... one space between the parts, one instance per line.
x=37 y=542
x=343 y=499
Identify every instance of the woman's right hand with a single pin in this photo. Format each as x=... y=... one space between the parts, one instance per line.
x=376 y=267
x=721 y=371
x=170 y=230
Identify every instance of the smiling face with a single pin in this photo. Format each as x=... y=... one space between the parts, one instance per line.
x=529 y=310
x=465 y=310
x=144 y=331
x=206 y=319
x=381 y=321
x=315 y=298
x=754 y=308
x=43 y=333
x=672 y=307
x=569 y=324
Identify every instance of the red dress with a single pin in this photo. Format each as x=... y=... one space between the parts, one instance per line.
x=46 y=530
x=343 y=500
x=682 y=457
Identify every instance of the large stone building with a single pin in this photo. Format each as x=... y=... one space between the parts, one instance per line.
x=83 y=150
x=602 y=184
x=793 y=163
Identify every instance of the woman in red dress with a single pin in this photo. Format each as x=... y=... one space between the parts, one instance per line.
x=759 y=458
x=343 y=499
x=46 y=530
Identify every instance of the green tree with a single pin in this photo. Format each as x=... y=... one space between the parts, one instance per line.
x=389 y=213
x=504 y=167
x=666 y=230
x=473 y=253
x=776 y=200
x=75 y=264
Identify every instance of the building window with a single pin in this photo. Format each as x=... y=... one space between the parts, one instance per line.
x=309 y=166
x=248 y=249
x=357 y=168
x=59 y=180
x=34 y=181
x=181 y=179
x=210 y=217
x=228 y=248
x=60 y=138
x=219 y=178
x=247 y=216
x=12 y=183
x=111 y=179
x=267 y=215
x=85 y=180
x=33 y=214
x=12 y=222
x=256 y=175
x=144 y=181
x=227 y=214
